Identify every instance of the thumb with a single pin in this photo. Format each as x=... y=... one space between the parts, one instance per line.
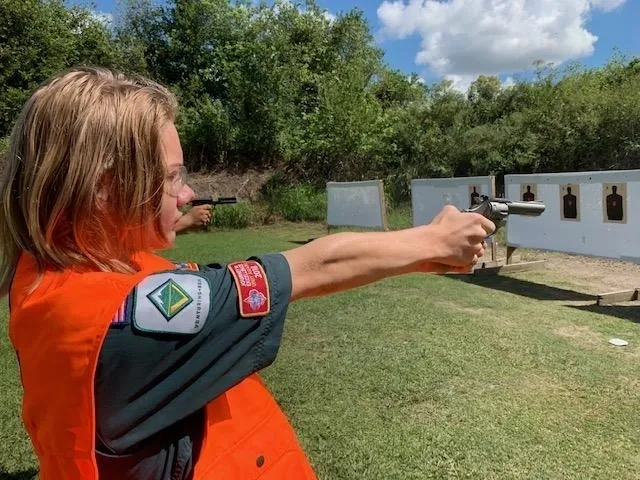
x=446 y=210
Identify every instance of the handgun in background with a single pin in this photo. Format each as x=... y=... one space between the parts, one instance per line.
x=211 y=201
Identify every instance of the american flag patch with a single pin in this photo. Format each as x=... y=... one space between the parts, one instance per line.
x=120 y=318
x=192 y=266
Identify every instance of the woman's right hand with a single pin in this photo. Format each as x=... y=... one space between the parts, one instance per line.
x=459 y=236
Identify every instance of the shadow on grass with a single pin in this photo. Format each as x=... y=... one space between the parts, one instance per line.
x=540 y=291
x=302 y=242
x=524 y=288
x=625 y=312
x=25 y=475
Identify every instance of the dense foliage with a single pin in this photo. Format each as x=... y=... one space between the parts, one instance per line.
x=286 y=87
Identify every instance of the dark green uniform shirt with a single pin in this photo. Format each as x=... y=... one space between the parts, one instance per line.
x=177 y=343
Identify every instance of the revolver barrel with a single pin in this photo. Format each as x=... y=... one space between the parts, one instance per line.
x=525 y=208
x=498 y=209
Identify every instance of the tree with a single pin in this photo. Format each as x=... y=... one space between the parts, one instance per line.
x=483 y=95
x=281 y=85
x=39 y=38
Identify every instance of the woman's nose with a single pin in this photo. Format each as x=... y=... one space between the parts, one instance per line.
x=185 y=195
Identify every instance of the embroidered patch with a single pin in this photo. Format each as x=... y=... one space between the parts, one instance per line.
x=187 y=266
x=170 y=299
x=172 y=303
x=253 y=288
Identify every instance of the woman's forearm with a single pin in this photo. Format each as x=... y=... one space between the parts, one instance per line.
x=453 y=241
x=348 y=260
x=184 y=222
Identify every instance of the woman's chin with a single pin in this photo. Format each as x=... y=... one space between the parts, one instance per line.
x=167 y=242
x=170 y=239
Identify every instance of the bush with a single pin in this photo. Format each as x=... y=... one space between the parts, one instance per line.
x=300 y=203
x=235 y=216
x=4 y=149
x=274 y=186
x=263 y=213
x=4 y=146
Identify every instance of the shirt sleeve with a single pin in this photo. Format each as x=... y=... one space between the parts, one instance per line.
x=179 y=341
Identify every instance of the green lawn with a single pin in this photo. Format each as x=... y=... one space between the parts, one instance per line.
x=432 y=376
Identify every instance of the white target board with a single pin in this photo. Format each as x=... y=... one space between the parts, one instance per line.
x=587 y=213
x=356 y=204
x=429 y=196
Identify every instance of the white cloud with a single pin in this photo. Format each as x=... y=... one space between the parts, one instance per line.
x=508 y=82
x=607 y=5
x=105 y=19
x=289 y=4
x=329 y=16
x=460 y=82
x=464 y=38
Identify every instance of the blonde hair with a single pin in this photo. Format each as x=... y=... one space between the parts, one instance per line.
x=86 y=135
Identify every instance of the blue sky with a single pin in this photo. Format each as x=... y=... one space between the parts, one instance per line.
x=459 y=39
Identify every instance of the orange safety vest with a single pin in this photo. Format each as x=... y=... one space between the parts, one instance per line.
x=57 y=332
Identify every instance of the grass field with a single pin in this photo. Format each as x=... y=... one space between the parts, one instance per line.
x=428 y=377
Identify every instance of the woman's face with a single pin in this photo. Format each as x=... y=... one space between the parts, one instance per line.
x=176 y=191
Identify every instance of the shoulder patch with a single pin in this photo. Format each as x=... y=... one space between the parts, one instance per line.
x=253 y=288
x=171 y=303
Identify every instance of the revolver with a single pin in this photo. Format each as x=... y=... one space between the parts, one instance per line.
x=498 y=209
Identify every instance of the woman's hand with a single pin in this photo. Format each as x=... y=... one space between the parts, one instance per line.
x=459 y=240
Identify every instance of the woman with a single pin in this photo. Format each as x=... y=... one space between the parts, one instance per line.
x=135 y=367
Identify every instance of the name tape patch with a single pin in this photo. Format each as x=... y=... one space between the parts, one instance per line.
x=253 y=288
x=172 y=303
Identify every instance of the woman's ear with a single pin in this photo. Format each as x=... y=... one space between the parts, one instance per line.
x=104 y=186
